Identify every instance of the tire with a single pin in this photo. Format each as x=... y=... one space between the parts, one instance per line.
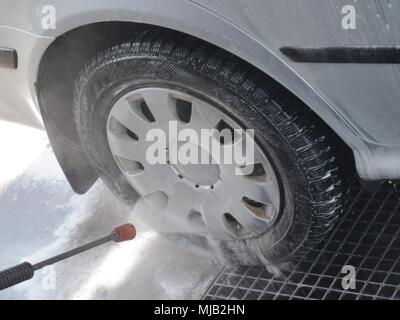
x=301 y=148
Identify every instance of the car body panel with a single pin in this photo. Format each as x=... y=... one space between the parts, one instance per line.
x=18 y=101
x=357 y=91
x=359 y=101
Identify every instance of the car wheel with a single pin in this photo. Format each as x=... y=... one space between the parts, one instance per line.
x=285 y=206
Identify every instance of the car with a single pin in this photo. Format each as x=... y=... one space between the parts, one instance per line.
x=317 y=82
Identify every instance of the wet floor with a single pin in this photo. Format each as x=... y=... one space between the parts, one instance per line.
x=40 y=216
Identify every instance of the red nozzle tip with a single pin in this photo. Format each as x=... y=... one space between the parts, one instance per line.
x=125 y=232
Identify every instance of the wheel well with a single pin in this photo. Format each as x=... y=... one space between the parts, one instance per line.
x=58 y=69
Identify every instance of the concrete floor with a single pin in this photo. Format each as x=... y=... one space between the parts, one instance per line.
x=40 y=216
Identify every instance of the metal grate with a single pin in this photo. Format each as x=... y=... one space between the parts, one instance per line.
x=367 y=238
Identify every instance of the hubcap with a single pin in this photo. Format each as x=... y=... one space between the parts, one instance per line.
x=203 y=198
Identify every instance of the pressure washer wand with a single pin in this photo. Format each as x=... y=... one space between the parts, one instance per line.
x=25 y=270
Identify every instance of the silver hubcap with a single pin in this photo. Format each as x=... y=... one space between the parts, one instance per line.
x=205 y=198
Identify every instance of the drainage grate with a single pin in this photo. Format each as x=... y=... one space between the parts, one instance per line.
x=367 y=238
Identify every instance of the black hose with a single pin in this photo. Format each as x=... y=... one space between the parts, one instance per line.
x=15 y=275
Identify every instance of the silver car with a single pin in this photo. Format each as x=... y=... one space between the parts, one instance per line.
x=317 y=81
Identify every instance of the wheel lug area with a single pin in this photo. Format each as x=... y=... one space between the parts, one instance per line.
x=198 y=176
x=196 y=185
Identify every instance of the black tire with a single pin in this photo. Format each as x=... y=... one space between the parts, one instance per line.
x=301 y=147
